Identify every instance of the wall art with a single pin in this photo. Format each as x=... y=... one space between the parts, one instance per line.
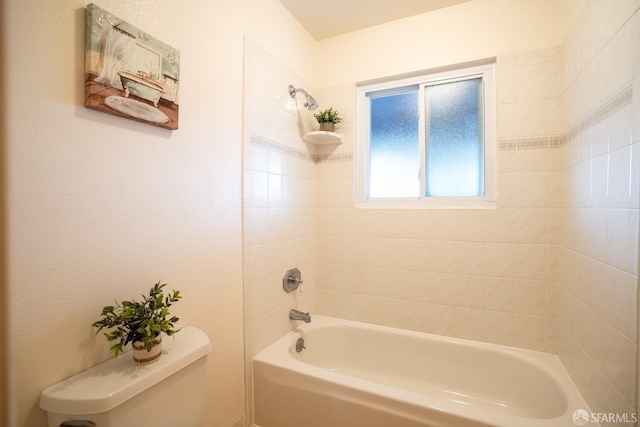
x=128 y=72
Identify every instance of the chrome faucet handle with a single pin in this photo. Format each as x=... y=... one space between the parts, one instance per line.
x=292 y=280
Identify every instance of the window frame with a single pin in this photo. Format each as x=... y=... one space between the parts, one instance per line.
x=362 y=149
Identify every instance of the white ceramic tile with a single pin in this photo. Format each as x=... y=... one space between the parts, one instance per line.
x=473 y=291
x=507 y=120
x=531 y=225
x=634 y=24
x=528 y=332
x=530 y=297
x=506 y=87
x=621 y=45
x=599 y=181
x=535 y=160
x=500 y=226
x=442 y=320
x=499 y=259
x=418 y=316
x=276 y=187
x=257 y=189
x=617 y=359
x=259 y=158
x=622 y=240
x=532 y=190
x=634 y=181
x=507 y=190
x=497 y=327
x=556 y=188
x=532 y=82
x=531 y=118
x=557 y=116
x=507 y=161
x=619 y=195
x=620 y=305
x=620 y=127
x=443 y=257
x=499 y=294
x=470 y=258
x=530 y=262
x=600 y=139
x=468 y=323
x=274 y=162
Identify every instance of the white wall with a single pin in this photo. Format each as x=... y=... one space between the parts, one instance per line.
x=472 y=30
x=101 y=207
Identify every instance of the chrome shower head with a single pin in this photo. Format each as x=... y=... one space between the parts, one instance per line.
x=310 y=102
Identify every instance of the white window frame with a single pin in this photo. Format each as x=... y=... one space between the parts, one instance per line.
x=362 y=149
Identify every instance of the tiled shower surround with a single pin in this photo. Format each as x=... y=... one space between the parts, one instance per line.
x=554 y=267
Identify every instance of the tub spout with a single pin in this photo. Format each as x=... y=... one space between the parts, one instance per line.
x=299 y=315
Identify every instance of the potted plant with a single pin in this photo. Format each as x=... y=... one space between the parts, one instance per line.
x=140 y=323
x=328 y=119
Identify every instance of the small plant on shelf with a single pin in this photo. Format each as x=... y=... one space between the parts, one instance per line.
x=328 y=119
x=143 y=322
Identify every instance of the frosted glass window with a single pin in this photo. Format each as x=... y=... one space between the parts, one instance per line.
x=428 y=141
x=394 y=145
x=454 y=138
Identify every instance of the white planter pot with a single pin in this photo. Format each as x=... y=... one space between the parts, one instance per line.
x=143 y=357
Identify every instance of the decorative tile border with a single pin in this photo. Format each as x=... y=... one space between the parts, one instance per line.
x=523 y=144
x=335 y=157
x=607 y=108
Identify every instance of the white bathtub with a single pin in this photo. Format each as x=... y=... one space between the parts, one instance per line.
x=355 y=374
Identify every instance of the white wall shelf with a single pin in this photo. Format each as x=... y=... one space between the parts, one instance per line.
x=323 y=138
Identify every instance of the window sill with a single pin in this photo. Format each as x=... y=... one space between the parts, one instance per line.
x=429 y=203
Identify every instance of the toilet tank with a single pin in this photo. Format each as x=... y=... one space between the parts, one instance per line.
x=168 y=393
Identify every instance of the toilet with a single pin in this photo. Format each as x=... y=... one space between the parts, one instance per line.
x=168 y=393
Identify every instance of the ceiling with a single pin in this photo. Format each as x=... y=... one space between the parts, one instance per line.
x=328 y=18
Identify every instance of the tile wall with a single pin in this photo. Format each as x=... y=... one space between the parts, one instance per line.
x=280 y=203
x=598 y=173
x=476 y=274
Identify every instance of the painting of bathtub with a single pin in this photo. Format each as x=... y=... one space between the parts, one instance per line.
x=128 y=72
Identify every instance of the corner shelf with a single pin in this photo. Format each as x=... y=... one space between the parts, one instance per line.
x=323 y=138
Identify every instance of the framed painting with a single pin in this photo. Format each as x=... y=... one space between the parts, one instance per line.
x=128 y=72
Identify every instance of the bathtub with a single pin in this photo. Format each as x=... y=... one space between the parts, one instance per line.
x=354 y=374
x=141 y=87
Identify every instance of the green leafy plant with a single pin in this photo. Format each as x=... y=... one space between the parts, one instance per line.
x=328 y=116
x=143 y=321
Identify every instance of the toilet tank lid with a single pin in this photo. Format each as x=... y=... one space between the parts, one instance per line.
x=111 y=383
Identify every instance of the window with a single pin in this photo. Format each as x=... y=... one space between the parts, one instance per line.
x=428 y=141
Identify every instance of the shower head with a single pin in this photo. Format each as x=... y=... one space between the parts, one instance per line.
x=310 y=103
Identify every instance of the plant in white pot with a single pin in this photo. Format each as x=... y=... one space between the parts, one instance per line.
x=140 y=323
x=328 y=119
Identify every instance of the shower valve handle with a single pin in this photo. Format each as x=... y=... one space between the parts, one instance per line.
x=292 y=280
